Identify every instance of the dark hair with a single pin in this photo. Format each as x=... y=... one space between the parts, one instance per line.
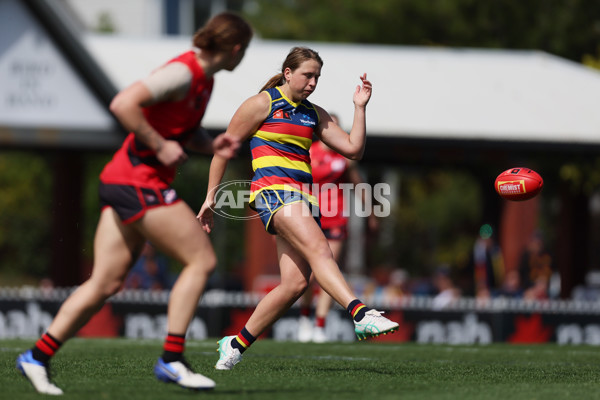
x=223 y=32
x=296 y=56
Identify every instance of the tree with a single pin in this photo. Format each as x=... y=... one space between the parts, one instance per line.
x=566 y=28
x=25 y=218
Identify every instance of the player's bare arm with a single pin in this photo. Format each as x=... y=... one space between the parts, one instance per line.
x=351 y=146
x=244 y=123
x=168 y=83
x=249 y=116
x=127 y=107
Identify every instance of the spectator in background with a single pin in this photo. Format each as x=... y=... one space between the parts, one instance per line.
x=150 y=271
x=486 y=265
x=447 y=292
x=377 y=289
x=397 y=286
x=511 y=286
x=46 y=286
x=535 y=269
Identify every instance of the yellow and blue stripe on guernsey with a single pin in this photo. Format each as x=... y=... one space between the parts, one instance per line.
x=280 y=147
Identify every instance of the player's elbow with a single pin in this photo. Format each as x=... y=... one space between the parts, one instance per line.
x=356 y=156
x=121 y=105
x=116 y=106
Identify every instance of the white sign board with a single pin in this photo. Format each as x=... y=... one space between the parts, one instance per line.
x=39 y=89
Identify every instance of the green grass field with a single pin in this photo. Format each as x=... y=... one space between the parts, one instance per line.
x=122 y=369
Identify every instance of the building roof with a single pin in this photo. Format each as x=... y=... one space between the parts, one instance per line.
x=419 y=92
x=438 y=95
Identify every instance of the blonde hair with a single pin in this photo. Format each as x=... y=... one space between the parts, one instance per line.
x=223 y=32
x=295 y=57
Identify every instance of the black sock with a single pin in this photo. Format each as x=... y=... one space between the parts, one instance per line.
x=243 y=340
x=357 y=309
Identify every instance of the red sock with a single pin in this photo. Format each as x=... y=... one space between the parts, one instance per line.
x=173 y=348
x=320 y=322
x=45 y=348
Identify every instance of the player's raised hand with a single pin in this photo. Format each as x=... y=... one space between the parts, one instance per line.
x=362 y=94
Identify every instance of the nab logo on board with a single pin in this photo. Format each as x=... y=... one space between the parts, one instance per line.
x=468 y=331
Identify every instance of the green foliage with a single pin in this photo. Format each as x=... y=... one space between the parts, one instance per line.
x=435 y=221
x=94 y=163
x=191 y=183
x=581 y=177
x=25 y=216
x=592 y=60
x=566 y=28
x=105 y=23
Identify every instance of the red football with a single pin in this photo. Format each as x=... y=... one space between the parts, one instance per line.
x=519 y=184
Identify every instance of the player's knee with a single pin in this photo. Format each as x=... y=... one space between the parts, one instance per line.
x=209 y=263
x=105 y=289
x=205 y=263
x=296 y=287
x=319 y=251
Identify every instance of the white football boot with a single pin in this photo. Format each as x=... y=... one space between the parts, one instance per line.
x=319 y=335
x=305 y=329
x=228 y=355
x=179 y=372
x=37 y=373
x=374 y=324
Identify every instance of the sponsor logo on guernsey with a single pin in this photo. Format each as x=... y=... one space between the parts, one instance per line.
x=511 y=187
x=308 y=121
x=278 y=104
x=280 y=114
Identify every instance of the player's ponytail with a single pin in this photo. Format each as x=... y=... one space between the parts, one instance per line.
x=276 y=80
x=296 y=56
